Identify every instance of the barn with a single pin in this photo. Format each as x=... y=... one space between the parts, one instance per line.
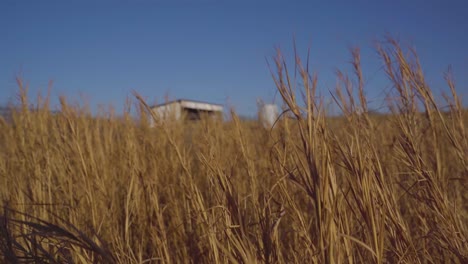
x=183 y=109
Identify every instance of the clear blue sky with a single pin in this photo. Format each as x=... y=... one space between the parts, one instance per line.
x=214 y=50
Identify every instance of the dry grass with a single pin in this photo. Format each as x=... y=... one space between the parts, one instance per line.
x=359 y=188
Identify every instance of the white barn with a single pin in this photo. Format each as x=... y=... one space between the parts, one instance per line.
x=183 y=109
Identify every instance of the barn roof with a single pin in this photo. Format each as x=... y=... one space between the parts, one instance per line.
x=193 y=104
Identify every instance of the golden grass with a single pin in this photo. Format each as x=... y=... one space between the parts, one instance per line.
x=359 y=188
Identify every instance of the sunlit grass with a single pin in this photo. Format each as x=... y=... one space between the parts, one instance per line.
x=359 y=188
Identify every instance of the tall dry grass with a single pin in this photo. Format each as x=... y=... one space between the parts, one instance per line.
x=359 y=188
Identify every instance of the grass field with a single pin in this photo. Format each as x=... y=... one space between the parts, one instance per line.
x=359 y=188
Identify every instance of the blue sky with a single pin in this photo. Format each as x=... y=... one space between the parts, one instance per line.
x=214 y=50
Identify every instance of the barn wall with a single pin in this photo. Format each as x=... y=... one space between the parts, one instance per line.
x=169 y=111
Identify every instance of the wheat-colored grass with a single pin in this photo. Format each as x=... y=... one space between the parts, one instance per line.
x=359 y=188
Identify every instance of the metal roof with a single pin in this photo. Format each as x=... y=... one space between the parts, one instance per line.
x=185 y=100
